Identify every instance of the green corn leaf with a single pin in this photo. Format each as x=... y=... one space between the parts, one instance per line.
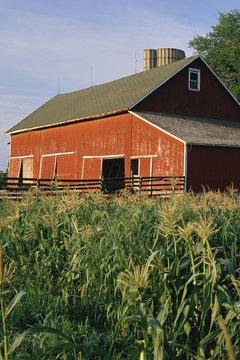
x=144 y=321
x=215 y=311
x=131 y=317
x=133 y=292
x=187 y=328
x=46 y=329
x=229 y=267
x=158 y=339
x=18 y=340
x=163 y=313
x=185 y=311
x=57 y=348
x=205 y=307
x=14 y=302
x=209 y=338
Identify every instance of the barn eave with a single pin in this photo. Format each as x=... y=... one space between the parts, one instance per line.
x=195 y=131
x=222 y=145
x=61 y=123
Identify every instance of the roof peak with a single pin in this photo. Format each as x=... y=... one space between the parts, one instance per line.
x=103 y=99
x=140 y=73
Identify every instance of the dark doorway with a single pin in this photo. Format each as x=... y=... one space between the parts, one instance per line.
x=113 y=173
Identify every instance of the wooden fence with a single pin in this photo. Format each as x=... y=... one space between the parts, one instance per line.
x=155 y=185
x=3 y=178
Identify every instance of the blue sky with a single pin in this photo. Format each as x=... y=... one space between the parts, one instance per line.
x=50 y=44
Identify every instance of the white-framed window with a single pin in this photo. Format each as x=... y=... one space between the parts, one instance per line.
x=194 y=79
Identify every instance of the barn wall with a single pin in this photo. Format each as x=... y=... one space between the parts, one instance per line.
x=213 y=167
x=167 y=153
x=75 y=151
x=213 y=100
x=70 y=143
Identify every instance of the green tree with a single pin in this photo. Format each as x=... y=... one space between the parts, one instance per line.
x=220 y=48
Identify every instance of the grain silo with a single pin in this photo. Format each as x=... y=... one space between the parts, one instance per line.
x=162 y=56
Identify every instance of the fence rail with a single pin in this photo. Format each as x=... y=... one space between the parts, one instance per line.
x=154 y=185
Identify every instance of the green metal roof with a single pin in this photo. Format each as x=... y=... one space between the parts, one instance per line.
x=99 y=100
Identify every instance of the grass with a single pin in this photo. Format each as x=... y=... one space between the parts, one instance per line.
x=129 y=277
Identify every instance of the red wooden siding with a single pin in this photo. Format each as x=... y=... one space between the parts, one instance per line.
x=76 y=150
x=14 y=167
x=47 y=167
x=91 y=168
x=168 y=152
x=213 y=100
x=213 y=167
x=65 y=164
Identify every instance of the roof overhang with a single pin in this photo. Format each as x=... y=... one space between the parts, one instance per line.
x=180 y=69
x=61 y=123
x=195 y=131
x=158 y=127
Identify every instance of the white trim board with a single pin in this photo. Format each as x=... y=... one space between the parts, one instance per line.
x=83 y=164
x=40 y=169
x=143 y=156
x=22 y=157
x=104 y=156
x=57 y=154
x=185 y=166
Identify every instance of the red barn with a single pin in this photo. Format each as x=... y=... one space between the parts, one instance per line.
x=174 y=120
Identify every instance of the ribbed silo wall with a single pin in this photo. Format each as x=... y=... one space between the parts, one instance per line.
x=162 y=56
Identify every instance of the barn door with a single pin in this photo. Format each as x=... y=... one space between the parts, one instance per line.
x=113 y=168
x=65 y=167
x=27 y=169
x=146 y=173
x=47 y=167
x=15 y=169
x=91 y=168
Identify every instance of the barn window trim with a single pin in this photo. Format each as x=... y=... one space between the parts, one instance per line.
x=103 y=156
x=57 y=154
x=194 y=79
x=22 y=157
x=143 y=156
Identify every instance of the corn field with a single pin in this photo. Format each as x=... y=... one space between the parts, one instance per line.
x=124 y=277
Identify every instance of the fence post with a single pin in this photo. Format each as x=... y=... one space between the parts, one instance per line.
x=151 y=187
x=101 y=184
